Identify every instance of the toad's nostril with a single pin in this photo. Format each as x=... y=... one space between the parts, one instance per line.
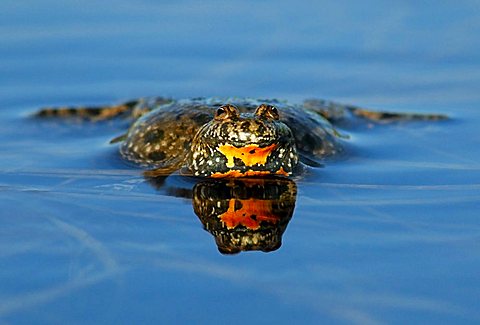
x=245 y=125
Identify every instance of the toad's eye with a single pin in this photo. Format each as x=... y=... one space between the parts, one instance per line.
x=226 y=111
x=267 y=111
x=220 y=111
x=273 y=110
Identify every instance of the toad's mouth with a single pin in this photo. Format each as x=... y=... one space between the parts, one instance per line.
x=250 y=154
x=246 y=140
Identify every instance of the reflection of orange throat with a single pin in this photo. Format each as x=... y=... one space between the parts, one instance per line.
x=249 y=155
x=250 y=214
x=237 y=173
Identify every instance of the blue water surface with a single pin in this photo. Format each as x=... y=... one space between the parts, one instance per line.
x=390 y=233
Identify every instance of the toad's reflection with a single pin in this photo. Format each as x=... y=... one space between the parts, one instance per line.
x=245 y=214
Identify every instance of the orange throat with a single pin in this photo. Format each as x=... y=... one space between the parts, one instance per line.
x=237 y=173
x=250 y=155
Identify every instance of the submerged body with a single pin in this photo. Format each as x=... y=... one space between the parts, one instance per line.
x=229 y=137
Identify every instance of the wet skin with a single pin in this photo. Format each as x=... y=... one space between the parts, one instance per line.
x=230 y=137
x=212 y=139
x=234 y=144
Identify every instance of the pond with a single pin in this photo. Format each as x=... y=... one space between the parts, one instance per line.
x=388 y=233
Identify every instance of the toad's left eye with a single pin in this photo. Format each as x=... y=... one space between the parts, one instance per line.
x=220 y=111
x=267 y=111
x=274 y=110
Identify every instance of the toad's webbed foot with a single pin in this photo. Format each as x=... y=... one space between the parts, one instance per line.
x=130 y=109
x=338 y=113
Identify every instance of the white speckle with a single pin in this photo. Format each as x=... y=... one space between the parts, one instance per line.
x=157 y=147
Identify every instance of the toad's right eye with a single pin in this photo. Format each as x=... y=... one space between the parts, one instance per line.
x=226 y=112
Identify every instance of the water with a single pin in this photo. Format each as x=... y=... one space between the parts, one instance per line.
x=390 y=234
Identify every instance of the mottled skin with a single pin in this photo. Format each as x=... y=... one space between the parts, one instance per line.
x=248 y=144
x=192 y=133
x=229 y=137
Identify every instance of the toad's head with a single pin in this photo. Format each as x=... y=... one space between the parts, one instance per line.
x=238 y=145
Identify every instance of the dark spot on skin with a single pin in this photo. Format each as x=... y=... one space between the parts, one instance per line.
x=157 y=156
x=201 y=118
x=251 y=152
x=95 y=110
x=238 y=162
x=238 y=205
x=44 y=112
x=246 y=126
x=132 y=103
x=253 y=217
x=386 y=116
x=154 y=136
x=261 y=129
x=308 y=141
x=186 y=145
x=224 y=128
